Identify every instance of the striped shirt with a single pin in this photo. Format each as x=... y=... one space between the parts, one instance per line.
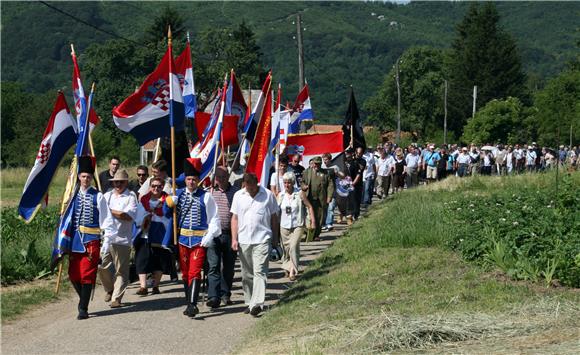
x=223 y=200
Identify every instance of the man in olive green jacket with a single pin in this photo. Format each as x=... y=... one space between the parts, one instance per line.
x=316 y=182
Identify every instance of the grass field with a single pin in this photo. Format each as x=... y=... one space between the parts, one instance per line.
x=13 y=180
x=392 y=284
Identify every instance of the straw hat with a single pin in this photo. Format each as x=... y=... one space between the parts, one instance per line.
x=120 y=175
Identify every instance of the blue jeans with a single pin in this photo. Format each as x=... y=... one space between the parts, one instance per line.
x=330 y=213
x=220 y=278
x=368 y=191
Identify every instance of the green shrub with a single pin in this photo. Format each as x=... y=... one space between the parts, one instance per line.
x=26 y=248
x=525 y=231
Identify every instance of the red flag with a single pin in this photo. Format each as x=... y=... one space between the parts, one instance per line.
x=261 y=143
x=229 y=128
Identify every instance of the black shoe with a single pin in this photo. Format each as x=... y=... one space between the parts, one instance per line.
x=83 y=315
x=213 y=302
x=247 y=310
x=255 y=311
x=191 y=311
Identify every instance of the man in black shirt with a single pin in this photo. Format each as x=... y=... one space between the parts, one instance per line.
x=296 y=168
x=107 y=175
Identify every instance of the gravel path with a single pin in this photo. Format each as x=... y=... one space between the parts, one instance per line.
x=146 y=325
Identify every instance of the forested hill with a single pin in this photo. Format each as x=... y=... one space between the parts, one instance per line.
x=345 y=42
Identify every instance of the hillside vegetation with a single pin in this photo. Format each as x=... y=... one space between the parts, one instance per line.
x=395 y=283
x=345 y=42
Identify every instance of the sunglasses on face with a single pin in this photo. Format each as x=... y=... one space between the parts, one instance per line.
x=155 y=186
x=142 y=174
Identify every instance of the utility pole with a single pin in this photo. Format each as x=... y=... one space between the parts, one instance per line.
x=445 y=117
x=398 y=102
x=474 y=100
x=300 y=53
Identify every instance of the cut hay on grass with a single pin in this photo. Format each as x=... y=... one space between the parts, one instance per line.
x=386 y=332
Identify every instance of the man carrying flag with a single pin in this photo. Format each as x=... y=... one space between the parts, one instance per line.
x=90 y=211
x=198 y=225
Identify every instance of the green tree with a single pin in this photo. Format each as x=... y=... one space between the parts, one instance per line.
x=218 y=51
x=500 y=121
x=157 y=32
x=558 y=107
x=28 y=121
x=485 y=55
x=421 y=80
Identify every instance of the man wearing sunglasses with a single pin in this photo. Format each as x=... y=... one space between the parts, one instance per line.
x=142 y=175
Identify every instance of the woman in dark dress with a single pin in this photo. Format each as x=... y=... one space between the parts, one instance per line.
x=399 y=171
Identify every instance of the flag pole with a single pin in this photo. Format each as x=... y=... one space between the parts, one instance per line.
x=91 y=148
x=220 y=125
x=351 y=122
x=172 y=144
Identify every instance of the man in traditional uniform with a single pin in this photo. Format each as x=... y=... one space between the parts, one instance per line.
x=319 y=191
x=197 y=225
x=90 y=212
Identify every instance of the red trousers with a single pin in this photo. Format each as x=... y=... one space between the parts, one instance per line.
x=191 y=262
x=82 y=267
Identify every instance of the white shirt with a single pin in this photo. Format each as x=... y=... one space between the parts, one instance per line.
x=518 y=154
x=412 y=160
x=296 y=216
x=531 y=157
x=384 y=165
x=254 y=215
x=119 y=231
x=463 y=158
x=369 y=172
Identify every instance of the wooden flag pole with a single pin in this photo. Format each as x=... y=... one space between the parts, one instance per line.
x=172 y=148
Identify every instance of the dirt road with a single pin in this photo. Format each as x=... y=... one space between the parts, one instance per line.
x=146 y=325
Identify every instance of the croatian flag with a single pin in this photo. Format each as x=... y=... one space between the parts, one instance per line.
x=59 y=136
x=316 y=144
x=303 y=107
x=81 y=110
x=157 y=105
x=184 y=71
x=259 y=160
x=210 y=151
x=235 y=103
x=283 y=128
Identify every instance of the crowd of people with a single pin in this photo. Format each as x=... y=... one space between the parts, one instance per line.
x=122 y=220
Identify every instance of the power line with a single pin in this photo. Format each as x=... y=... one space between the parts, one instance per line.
x=88 y=24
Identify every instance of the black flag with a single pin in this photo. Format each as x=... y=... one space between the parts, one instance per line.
x=352 y=120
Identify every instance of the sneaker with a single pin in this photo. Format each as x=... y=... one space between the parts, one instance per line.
x=142 y=292
x=116 y=304
x=155 y=291
x=256 y=310
x=329 y=228
x=108 y=296
x=324 y=229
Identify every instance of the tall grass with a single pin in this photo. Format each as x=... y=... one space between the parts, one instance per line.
x=13 y=180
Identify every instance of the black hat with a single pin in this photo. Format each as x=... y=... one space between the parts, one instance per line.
x=86 y=165
x=192 y=167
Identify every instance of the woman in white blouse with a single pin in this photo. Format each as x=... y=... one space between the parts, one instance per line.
x=293 y=204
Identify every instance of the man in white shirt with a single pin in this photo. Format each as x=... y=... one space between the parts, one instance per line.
x=255 y=226
x=413 y=160
x=531 y=159
x=116 y=249
x=384 y=168
x=463 y=161
x=369 y=175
